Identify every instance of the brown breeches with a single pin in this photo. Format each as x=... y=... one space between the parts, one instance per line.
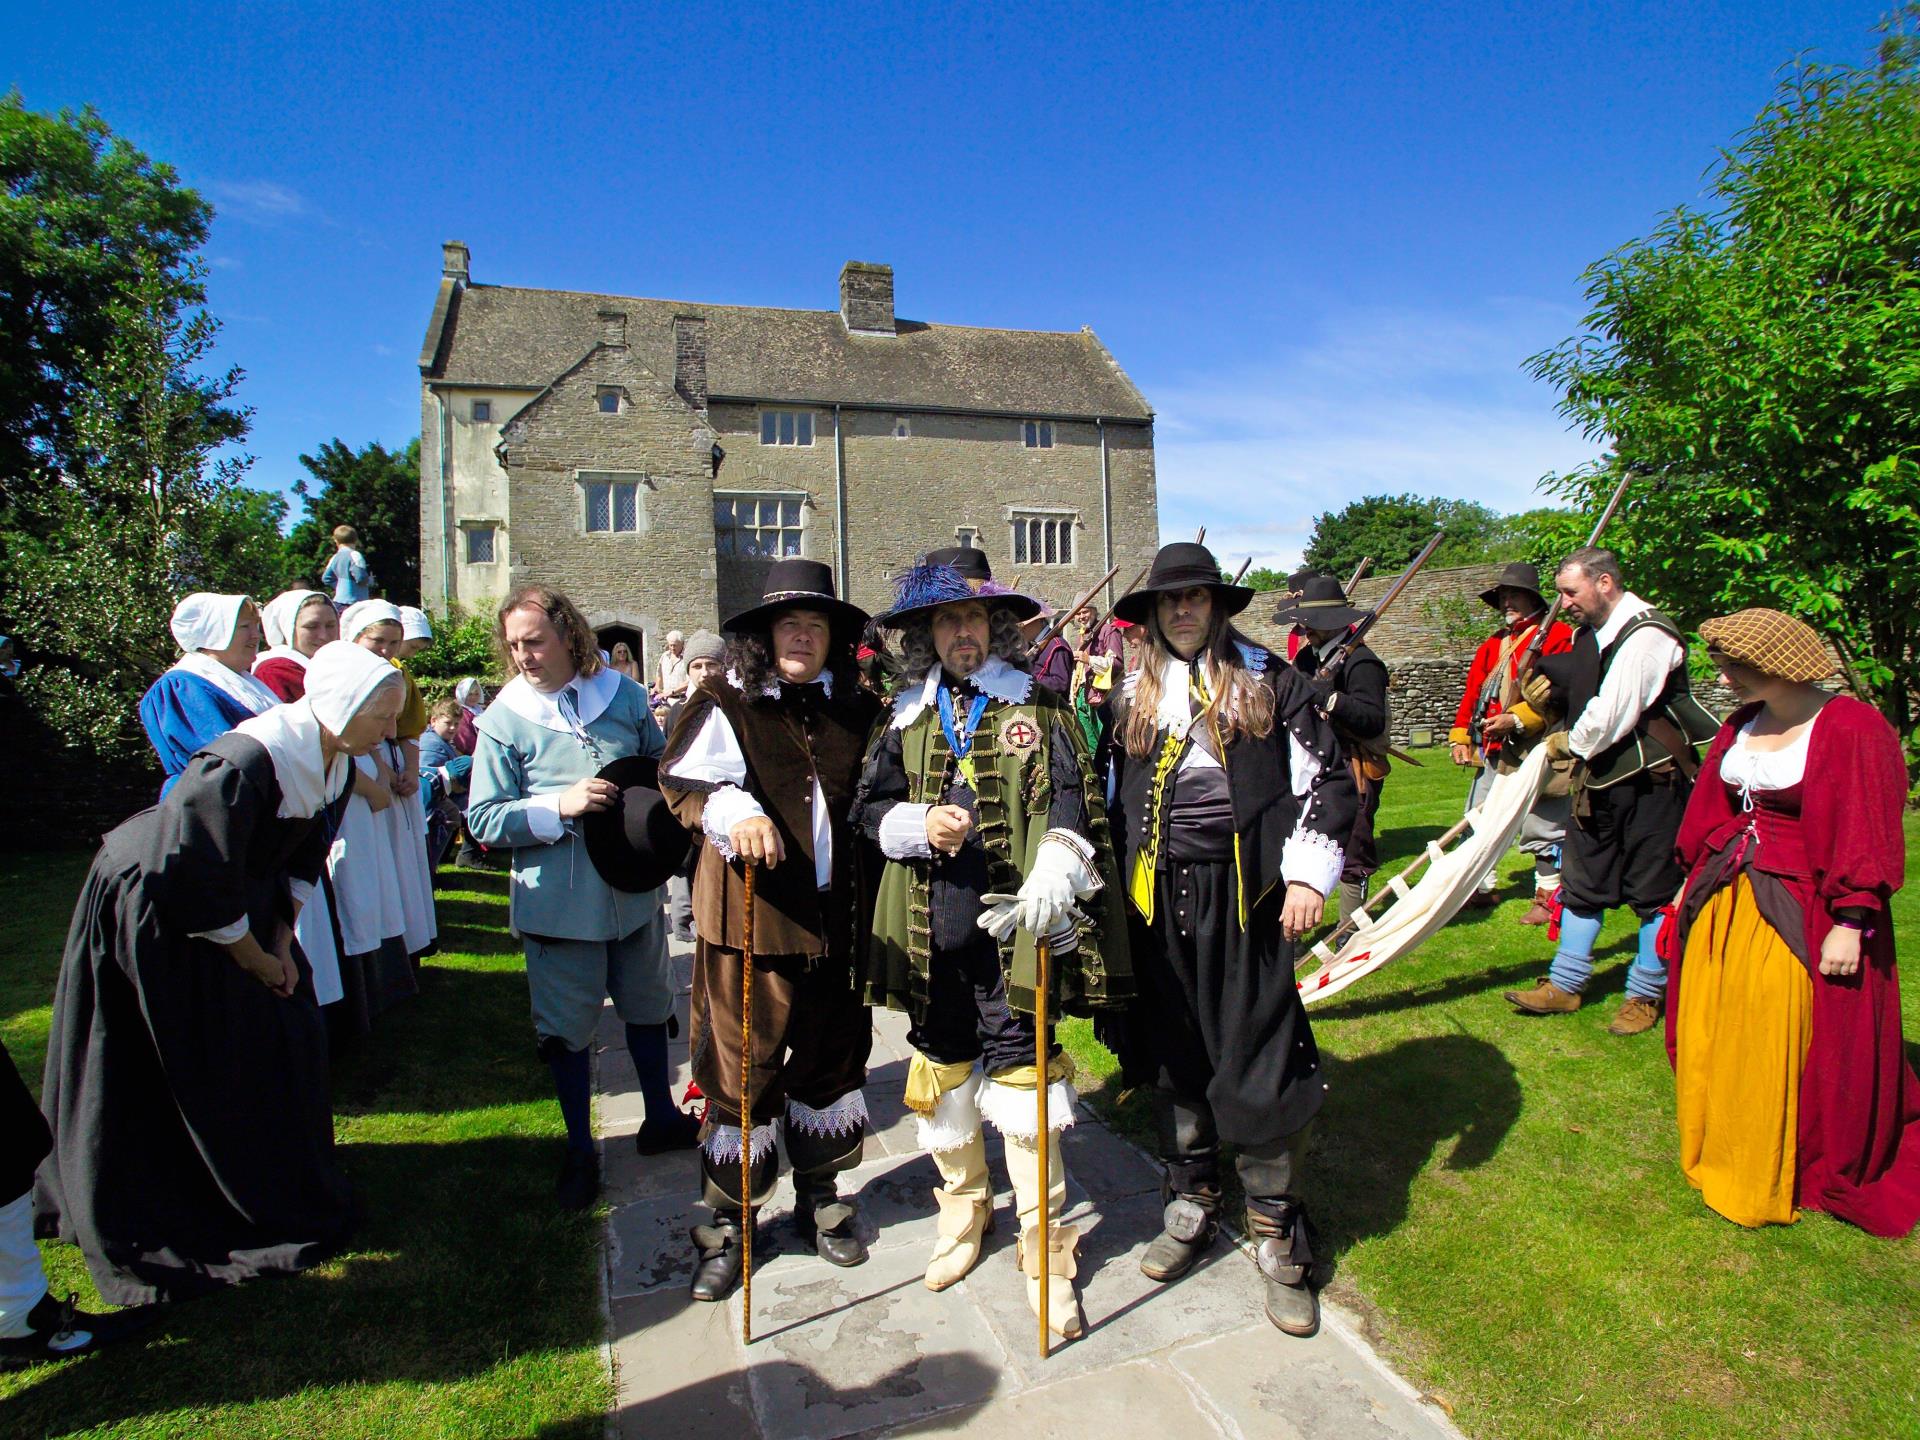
x=811 y=1033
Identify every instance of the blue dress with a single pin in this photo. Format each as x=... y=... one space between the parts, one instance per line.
x=182 y=714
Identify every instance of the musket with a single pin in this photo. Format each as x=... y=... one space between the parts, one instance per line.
x=1359 y=573
x=1531 y=654
x=1241 y=573
x=1101 y=618
x=1200 y=536
x=1060 y=617
x=1358 y=634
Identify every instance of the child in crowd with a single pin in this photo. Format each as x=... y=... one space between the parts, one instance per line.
x=347 y=571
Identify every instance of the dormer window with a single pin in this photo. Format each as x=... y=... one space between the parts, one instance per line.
x=611 y=399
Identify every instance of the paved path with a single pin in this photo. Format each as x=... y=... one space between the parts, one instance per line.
x=871 y=1352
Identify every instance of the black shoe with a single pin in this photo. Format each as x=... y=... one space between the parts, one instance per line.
x=579 y=1184
x=60 y=1331
x=717 y=1263
x=825 y=1221
x=1187 y=1228
x=673 y=1131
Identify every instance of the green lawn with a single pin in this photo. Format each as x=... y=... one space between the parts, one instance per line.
x=467 y=1306
x=1505 y=1194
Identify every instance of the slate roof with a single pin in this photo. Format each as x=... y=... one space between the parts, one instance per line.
x=511 y=337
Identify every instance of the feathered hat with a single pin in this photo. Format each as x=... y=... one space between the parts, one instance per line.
x=925 y=588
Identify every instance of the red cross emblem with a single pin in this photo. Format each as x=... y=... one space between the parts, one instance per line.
x=1019 y=736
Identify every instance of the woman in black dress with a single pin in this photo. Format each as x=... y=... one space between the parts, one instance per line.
x=1232 y=805
x=186 y=1077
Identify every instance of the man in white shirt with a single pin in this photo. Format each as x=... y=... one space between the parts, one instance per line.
x=673 y=668
x=1632 y=729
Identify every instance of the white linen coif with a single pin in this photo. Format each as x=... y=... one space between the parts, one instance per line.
x=277 y=618
x=204 y=621
x=355 y=620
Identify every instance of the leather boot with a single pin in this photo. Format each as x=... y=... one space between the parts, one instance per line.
x=1187 y=1227
x=1063 y=1299
x=966 y=1212
x=1285 y=1257
x=717 y=1263
x=824 y=1220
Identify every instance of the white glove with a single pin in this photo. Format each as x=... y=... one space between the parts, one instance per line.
x=1061 y=874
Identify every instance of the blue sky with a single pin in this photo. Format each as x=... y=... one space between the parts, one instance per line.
x=1321 y=238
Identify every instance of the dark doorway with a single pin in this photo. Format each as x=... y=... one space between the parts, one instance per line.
x=609 y=636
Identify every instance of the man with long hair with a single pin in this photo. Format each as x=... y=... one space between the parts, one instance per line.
x=1233 y=807
x=562 y=719
x=980 y=793
x=763 y=765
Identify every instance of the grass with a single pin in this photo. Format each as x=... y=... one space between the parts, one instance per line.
x=468 y=1304
x=1505 y=1193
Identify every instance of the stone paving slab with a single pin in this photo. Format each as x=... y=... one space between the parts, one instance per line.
x=869 y=1352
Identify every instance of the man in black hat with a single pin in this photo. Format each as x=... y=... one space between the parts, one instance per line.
x=765 y=772
x=1233 y=810
x=1354 y=699
x=1497 y=725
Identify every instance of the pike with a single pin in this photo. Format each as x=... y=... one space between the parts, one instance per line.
x=1354 y=637
x=1060 y=617
x=1531 y=655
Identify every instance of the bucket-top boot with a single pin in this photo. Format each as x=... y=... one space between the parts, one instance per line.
x=1063 y=1298
x=966 y=1211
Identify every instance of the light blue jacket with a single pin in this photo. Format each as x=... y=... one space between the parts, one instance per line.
x=524 y=757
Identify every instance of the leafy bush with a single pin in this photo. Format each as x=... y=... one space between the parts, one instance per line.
x=462 y=645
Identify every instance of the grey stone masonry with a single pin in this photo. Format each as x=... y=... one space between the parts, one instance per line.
x=866 y=297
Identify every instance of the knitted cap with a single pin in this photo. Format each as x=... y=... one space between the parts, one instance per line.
x=704 y=645
x=1771 y=642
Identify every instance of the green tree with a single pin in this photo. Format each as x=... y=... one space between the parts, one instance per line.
x=92 y=563
x=1391 y=529
x=375 y=490
x=1761 y=360
x=84 y=217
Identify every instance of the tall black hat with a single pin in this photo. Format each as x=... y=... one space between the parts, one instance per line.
x=637 y=844
x=1320 y=604
x=971 y=563
x=1181 y=566
x=1517 y=576
x=795 y=584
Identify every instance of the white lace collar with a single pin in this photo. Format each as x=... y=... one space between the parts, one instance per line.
x=996 y=678
x=1176 y=682
x=595 y=693
x=771 y=691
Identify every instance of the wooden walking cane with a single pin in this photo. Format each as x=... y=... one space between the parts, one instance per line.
x=746 y=1116
x=1043 y=955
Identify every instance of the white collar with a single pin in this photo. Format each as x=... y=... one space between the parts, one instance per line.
x=594 y=693
x=1630 y=605
x=244 y=689
x=290 y=734
x=772 y=689
x=996 y=678
x=1176 y=682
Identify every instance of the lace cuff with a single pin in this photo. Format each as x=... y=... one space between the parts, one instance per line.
x=1310 y=858
x=903 y=833
x=727 y=807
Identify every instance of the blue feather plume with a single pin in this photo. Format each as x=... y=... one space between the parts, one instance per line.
x=929 y=585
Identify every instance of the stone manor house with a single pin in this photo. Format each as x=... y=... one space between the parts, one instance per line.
x=651 y=457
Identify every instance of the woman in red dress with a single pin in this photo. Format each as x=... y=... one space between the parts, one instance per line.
x=1783 y=1002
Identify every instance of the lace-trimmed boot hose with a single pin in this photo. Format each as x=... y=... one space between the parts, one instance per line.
x=824 y=1220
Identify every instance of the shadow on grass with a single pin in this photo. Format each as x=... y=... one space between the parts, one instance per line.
x=462 y=1265
x=1387 y=1113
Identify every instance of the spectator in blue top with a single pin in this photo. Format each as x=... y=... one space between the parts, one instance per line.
x=347 y=572
x=211 y=688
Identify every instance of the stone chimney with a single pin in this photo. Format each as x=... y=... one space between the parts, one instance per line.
x=613 y=327
x=866 y=297
x=455 y=259
x=690 y=359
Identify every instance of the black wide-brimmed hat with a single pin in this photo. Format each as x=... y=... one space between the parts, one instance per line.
x=637 y=844
x=1320 y=604
x=925 y=588
x=1181 y=566
x=1517 y=576
x=971 y=563
x=795 y=584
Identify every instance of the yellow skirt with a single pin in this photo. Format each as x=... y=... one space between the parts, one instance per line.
x=1741 y=1027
